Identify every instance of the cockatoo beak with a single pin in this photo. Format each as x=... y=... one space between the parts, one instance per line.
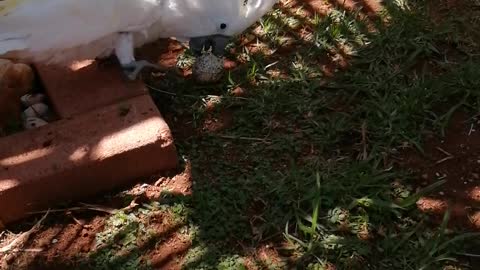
x=217 y=43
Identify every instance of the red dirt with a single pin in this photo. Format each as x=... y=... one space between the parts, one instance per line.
x=169 y=254
x=265 y=257
x=168 y=247
x=455 y=158
x=69 y=237
x=62 y=244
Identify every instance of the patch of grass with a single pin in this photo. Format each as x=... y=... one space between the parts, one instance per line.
x=126 y=237
x=306 y=159
x=117 y=244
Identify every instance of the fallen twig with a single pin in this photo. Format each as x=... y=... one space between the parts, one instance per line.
x=469 y=255
x=78 y=208
x=243 y=138
x=27 y=250
x=444 y=159
x=364 y=140
x=100 y=208
x=448 y=155
x=189 y=96
x=161 y=91
x=471 y=130
x=22 y=238
x=131 y=206
x=443 y=151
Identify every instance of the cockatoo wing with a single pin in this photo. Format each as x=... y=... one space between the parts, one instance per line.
x=39 y=25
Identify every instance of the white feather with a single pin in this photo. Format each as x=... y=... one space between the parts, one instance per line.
x=60 y=31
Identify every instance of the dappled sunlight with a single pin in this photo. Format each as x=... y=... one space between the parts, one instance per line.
x=474 y=194
x=460 y=213
x=6 y=184
x=369 y=8
x=21 y=158
x=81 y=64
x=288 y=32
x=475 y=219
x=432 y=205
x=109 y=145
x=79 y=154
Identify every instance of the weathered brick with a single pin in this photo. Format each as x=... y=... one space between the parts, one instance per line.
x=83 y=155
x=86 y=86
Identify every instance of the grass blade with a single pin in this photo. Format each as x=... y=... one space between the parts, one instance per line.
x=411 y=200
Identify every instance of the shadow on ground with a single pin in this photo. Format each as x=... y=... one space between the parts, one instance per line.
x=293 y=159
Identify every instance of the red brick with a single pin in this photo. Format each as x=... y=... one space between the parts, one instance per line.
x=86 y=86
x=89 y=153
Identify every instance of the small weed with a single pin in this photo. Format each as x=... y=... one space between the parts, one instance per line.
x=116 y=246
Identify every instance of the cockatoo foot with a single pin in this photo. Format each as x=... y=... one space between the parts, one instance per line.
x=132 y=69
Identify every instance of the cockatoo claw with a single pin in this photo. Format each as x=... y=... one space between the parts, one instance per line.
x=132 y=69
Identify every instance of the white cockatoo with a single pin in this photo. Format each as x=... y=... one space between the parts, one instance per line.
x=62 y=31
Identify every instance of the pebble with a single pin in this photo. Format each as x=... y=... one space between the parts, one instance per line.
x=208 y=68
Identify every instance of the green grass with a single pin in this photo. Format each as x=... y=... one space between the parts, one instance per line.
x=306 y=160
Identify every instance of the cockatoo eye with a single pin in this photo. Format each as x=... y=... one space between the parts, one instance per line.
x=223 y=26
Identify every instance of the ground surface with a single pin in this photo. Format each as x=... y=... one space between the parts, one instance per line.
x=337 y=141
